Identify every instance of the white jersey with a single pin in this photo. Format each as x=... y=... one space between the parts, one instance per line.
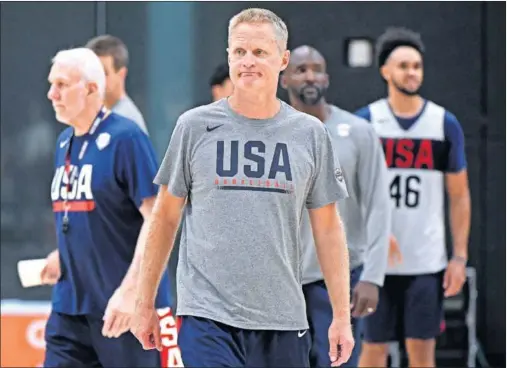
x=417 y=160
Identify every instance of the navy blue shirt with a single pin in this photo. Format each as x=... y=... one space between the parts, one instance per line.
x=114 y=172
x=452 y=130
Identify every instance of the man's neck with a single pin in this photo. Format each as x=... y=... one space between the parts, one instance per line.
x=403 y=105
x=111 y=101
x=254 y=106
x=321 y=110
x=83 y=122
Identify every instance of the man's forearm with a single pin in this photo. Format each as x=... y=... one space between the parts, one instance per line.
x=374 y=195
x=334 y=262
x=159 y=243
x=378 y=232
x=376 y=258
x=130 y=280
x=460 y=209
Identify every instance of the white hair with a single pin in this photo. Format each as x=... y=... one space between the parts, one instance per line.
x=87 y=63
x=259 y=16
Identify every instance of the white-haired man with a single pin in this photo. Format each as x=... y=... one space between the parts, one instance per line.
x=102 y=195
x=249 y=165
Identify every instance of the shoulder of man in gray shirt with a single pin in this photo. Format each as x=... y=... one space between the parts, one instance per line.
x=126 y=107
x=366 y=212
x=248 y=182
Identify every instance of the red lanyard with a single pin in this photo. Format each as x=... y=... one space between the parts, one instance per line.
x=71 y=174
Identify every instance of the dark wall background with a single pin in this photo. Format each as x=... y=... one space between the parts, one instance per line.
x=464 y=71
x=30 y=35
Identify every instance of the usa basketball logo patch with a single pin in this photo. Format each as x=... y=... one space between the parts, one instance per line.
x=103 y=140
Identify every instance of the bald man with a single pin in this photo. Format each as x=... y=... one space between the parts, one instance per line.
x=366 y=213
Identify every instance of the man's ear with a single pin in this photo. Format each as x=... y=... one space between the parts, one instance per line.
x=283 y=80
x=215 y=91
x=123 y=72
x=384 y=72
x=285 y=60
x=92 y=88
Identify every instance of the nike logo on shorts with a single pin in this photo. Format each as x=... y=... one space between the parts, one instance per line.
x=302 y=333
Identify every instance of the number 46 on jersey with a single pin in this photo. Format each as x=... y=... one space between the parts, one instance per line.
x=405 y=190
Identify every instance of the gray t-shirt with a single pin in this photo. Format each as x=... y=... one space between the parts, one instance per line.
x=126 y=107
x=366 y=213
x=248 y=183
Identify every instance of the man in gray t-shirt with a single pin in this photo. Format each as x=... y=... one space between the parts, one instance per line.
x=247 y=167
x=366 y=213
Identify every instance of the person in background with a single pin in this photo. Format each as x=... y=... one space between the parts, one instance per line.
x=365 y=213
x=220 y=82
x=114 y=56
x=424 y=147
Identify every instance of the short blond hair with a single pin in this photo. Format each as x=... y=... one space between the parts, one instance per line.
x=259 y=16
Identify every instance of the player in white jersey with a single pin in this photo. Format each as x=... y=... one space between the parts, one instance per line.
x=114 y=55
x=424 y=148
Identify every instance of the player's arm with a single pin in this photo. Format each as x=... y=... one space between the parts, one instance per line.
x=51 y=272
x=175 y=182
x=135 y=166
x=327 y=188
x=458 y=191
x=333 y=255
x=374 y=195
x=460 y=212
x=130 y=279
x=161 y=232
x=457 y=187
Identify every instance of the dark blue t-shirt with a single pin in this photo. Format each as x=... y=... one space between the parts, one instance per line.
x=114 y=172
x=456 y=160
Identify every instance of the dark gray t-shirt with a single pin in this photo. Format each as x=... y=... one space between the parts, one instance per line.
x=247 y=182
